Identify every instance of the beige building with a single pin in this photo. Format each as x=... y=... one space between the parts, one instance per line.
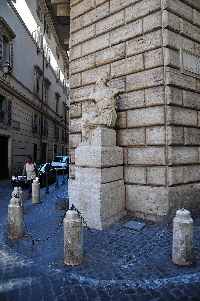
x=34 y=94
x=152 y=50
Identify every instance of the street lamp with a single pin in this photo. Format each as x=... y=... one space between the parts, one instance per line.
x=6 y=69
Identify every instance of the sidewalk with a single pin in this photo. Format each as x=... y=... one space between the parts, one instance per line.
x=40 y=273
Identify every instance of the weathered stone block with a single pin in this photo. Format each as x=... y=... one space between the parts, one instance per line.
x=171 y=21
x=141 y=9
x=110 y=54
x=191 y=99
x=109 y=23
x=192 y=173
x=95 y=156
x=179 y=8
x=175 y=135
x=145 y=79
x=83 y=63
x=101 y=136
x=135 y=175
x=147 y=201
x=174 y=77
x=174 y=40
x=181 y=116
x=129 y=137
x=74 y=140
x=146 y=117
x=75 y=80
x=175 y=175
x=173 y=96
x=91 y=76
x=155 y=96
x=75 y=52
x=191 y=136
x=96 y=14
x=155 y=135
x=82 y=35
x=100 y=204
x=156 y=175
x=121 y=122
x=127 y=66
x=190 y=31
x=171 y=58
x=95 y=44
x=131 y=100
x=81 y=94
x=196 y=17
x=125 y=32
x=81 y=8
x=75 y=110
x=152 y=22
x=99 y=175
x=153 y=58
x=145 y=42
x=116 y=5
x=183 y=155
x=147 y=156
x=75 y=125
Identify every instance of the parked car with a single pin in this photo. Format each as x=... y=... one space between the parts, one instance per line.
x=60 y=163
x=16 y=179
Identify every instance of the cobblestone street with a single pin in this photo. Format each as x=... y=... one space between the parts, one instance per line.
x=39 y=273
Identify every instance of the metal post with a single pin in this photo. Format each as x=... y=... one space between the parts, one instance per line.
x=63 y=179
x=56 y=186
x=73 y=238
x=47 y=183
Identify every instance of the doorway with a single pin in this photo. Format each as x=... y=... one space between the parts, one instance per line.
x=3 y=157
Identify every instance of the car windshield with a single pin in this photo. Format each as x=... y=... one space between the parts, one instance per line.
x=60 y=159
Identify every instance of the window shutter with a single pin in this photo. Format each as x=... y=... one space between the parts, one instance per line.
x=11 y=54
x=1 y=46
x=8 y=113
x=39 y=125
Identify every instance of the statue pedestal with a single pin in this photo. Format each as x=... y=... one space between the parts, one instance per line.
x=98 y=190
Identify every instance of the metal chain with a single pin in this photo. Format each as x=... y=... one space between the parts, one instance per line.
x=43 y=239
x=128 y=257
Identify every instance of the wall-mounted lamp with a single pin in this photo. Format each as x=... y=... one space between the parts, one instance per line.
x=6 y=69
x=62 y=118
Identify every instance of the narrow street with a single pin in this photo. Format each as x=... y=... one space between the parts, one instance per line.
x=38 y=272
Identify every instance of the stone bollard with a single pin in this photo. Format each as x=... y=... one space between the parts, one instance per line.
x=17 y=192
x=182 y=238
x=36 y=191
x=15 y=219
x=73 y=238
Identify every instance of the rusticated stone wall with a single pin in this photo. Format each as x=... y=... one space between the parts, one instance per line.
x=150 y=48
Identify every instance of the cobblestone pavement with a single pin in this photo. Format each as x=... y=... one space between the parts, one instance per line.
x=39 y=273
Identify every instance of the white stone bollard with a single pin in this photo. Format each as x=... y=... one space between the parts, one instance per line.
x=18 y=193
x=15 y=219
x=73 y=238
x=182 y=238
x=36 y=191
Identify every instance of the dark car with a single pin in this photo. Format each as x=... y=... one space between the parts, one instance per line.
x=43 y=169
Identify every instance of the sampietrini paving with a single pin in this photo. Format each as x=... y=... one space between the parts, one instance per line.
x=40 y=274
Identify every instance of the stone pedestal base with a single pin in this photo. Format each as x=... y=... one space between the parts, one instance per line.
x=100 y=204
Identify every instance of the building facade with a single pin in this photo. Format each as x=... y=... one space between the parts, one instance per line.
x=34 y=94
x=152 y=50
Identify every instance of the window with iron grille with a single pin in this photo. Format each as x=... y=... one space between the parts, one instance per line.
x=36 y=124
x=45 y=128
x=6 y=44
x=5 y=110
x=56 y=131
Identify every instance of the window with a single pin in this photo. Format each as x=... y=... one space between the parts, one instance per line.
x=44 y=128
x=36 y=124
x=6 y=45
x=56 y=131
x=5 y=110
x=47 y=83
x=37 y=75
x=38 y=37
x=57 y=96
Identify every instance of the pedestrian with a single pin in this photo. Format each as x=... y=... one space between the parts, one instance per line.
x=31 y=172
